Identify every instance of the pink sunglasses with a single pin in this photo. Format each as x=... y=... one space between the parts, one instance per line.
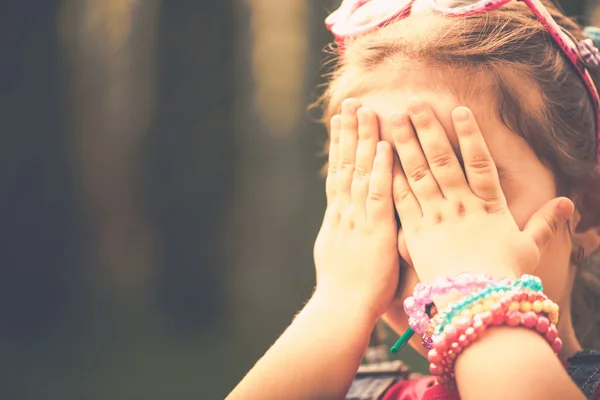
x=358 y=17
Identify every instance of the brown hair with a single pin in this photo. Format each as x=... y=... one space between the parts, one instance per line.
x=537 y=94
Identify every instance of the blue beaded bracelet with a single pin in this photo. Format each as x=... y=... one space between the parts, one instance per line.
x=525 y=282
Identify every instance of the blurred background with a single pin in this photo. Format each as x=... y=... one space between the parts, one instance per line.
x=159 y=191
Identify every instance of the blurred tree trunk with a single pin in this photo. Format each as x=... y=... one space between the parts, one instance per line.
x=191 y=161
x=111 y=49
x=279 y=195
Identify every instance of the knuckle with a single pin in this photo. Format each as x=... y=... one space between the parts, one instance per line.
x=400 y=196
x=345 y=163
x=441 y=160
x=376 y=196
x=493 y=208
x=360 y=173
x=419 y=173
x=481 y=164
x=332 y=170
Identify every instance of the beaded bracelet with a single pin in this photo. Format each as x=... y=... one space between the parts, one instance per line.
x=516 y=309
x=417 y=306
x=423 y=294
x=526 y=281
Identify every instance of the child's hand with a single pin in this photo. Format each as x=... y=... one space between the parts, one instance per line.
x=452 y=225
x=356 y=256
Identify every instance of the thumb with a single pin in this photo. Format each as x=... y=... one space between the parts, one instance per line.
x=548 y=220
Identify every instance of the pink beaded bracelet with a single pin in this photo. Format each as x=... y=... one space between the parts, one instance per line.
x=463 y=331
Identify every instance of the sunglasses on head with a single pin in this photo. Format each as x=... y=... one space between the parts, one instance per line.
x=358 y=17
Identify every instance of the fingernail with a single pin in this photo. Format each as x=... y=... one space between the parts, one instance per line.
x=416 y=105
x=348 y=106
x=566 y=209
x=462 y=114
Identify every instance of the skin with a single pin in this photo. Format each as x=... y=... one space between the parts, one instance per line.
x=481 y=225
x=526 y=183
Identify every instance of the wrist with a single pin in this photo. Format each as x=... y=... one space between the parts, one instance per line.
x=347 y=306
x=444 y=300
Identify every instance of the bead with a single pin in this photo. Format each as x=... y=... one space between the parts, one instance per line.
x=553 y=317
x=451 y=333
x=532 y=297
x=488 y=304
x=557 y=345
x=439 y=344
x=433 y=356
x=486 y=317
x=513 y=318
x=514 y=306
x=476 y=309
x=478 y=326
x=462 y=324
x=552 y=334
x=463 y=340
x=554 y=308
x=530 y=319
x=537 y=306
x=470 y=333
x=451 y=355
x=523 y=297
x=542 y=325
x=456 y=348
x=548 y=306
x=427 y=342
x=411 y=308
x=498 y=318
x=464 y=281
x=435 y=369
x=419 y=324
x=422 y=293
x=525 y=306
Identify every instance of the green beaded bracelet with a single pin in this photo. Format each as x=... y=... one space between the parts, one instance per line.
x=525 y=282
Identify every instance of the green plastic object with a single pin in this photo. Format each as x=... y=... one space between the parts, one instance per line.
x=407 y=335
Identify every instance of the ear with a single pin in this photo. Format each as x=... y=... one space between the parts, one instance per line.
x=589 y=240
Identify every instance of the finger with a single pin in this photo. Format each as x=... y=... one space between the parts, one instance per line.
x=548 y=221
x=348 y=142
x=479 y=166
x=414 y=164
x=368 y=136
x=438 y=151
x=406 y=203
x=334 y=154
x=379 y=200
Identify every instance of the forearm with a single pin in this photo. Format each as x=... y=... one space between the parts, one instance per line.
x=512 y=363
x=316 y=357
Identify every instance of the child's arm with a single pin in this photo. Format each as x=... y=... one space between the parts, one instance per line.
x=479 y=236
x=512 y=363
x=356 y=261
x=315 y=358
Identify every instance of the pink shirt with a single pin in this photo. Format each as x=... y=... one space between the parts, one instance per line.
x=419 y=389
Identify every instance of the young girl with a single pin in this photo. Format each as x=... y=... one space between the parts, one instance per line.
x=478 y=122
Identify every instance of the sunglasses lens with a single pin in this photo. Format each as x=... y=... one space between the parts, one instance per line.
x=377 y=11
